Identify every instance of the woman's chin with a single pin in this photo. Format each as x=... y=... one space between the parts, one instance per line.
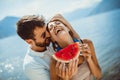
x=62 y=34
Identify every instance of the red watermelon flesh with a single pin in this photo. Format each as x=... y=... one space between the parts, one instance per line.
x=66 y=54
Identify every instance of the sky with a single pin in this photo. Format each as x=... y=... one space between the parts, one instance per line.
x=46 y=8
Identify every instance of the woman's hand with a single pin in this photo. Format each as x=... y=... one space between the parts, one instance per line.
x=85 y=51
x=59 y=17
x=66 y=72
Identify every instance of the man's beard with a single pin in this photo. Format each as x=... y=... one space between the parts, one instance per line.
x=44 y=44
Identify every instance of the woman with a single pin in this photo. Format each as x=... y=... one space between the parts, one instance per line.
x=87 y=64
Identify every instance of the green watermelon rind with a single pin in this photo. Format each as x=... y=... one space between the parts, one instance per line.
x=74 y=58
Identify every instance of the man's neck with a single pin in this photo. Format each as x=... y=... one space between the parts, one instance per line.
x=38 y=49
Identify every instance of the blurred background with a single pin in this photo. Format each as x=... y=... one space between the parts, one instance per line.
x=98 y=20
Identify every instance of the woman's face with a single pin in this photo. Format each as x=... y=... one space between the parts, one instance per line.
x=59 y=32
x=57 y=27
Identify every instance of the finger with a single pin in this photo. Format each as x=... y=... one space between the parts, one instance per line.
x=63 y=70
x=57 y=67
x=61 y=19
x=85 y=46
x=66 y=72
x=57 y=64
x=70 y=67
x=80 y=45
x=87 y=49
x=75 y=67
x=56 y=17
x=81 y=48
x=76 y=62
x=73 y=64
x=86 y=55
x=60 y=68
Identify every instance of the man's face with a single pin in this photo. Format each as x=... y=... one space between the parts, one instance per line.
x=42 y=37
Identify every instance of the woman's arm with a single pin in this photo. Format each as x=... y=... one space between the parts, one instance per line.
x=92 y=60
x=64 y=21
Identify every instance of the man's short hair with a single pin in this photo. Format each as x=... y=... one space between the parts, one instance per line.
x=27 y=24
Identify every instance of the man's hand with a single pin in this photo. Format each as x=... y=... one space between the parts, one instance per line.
x=67 y=71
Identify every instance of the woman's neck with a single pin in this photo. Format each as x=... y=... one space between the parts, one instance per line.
x=66 y=42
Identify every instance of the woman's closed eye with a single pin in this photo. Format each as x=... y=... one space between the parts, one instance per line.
x=57 y=22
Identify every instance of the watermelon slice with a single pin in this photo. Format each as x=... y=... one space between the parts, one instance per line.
x=68 y=53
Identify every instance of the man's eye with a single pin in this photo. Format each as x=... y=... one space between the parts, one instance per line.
x=44 y=35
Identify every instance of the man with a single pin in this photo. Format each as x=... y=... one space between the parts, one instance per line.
x=32 y=29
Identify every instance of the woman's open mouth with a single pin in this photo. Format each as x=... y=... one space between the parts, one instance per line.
x=58 y=31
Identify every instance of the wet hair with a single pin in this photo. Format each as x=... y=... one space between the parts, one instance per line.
x=27 y=24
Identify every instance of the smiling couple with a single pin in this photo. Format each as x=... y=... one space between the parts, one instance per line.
x=46 y=39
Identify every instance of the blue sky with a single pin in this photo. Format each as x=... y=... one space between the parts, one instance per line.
x=45 y=7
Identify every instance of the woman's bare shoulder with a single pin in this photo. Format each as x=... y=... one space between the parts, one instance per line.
x=87 y=41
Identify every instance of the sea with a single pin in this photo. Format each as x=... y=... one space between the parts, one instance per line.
x=104 y=31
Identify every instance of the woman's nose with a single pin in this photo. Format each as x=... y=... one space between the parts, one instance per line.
x=52 y=26
x=55 y=26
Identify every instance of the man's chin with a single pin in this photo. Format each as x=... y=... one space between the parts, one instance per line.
x=47 y=44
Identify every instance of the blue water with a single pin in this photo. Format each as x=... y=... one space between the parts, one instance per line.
x=103 y=29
